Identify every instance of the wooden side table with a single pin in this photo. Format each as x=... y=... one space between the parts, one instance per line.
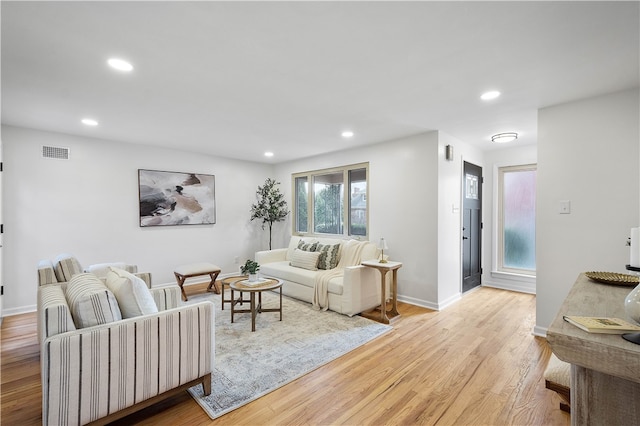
x=385 y=316
x=227 y=282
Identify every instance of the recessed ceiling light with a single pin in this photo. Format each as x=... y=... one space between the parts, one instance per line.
x=120 y=64
x=268 y=154
x=89 y=122
x=504 y=137
x=487 y=96
x=347 y=134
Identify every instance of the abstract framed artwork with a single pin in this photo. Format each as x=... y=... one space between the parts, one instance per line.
x=174 y=198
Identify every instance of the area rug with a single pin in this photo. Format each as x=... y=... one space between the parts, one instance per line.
x=249 y=364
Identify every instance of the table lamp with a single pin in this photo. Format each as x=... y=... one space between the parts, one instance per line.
x=382 y=245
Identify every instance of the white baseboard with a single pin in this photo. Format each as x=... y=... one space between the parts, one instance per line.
x=512 y=286
x=19 y=310
x=418 y=302
x=540 y=331
x=430 y=305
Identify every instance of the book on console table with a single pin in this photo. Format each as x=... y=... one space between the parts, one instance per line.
x=602 y=324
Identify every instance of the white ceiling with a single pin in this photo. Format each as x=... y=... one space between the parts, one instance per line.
x=236 y=79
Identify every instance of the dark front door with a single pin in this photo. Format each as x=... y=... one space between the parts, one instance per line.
x=471 y=226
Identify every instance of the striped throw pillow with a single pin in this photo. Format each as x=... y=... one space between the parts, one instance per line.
x=66 y=266
x=46 y=274
x=91 y=302
x=305 y=259
x=329 y=255
x=305 y=246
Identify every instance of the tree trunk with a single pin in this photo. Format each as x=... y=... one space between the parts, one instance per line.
x=270 y=225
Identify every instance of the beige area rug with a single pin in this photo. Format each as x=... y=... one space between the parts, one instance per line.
x=251 y=364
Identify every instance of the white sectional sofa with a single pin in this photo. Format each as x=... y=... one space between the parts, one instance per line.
x=352 y=288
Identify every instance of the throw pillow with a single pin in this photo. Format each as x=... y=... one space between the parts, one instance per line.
x=132 y=293
x=102 y=269
x=46 y=273
x=305 y=259
x=91 y=302
x=329 y=255
x=306 y=246
x=66 y=266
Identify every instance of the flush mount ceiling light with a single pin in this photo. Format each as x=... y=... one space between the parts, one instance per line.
x=89 y=122
x=347 y=134
x=487 y=96
x=504 y=137
x=268 y=154
x=120 y=64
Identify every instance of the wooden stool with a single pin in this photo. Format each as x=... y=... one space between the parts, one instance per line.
x=195 y=270
x=557 y=377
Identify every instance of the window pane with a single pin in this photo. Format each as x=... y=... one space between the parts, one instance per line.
x=331 y=201
x=328 y=193
x=302 y=201
x=358 y=202
x=519 y=204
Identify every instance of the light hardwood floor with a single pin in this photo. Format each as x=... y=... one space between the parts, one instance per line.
x=475 y=363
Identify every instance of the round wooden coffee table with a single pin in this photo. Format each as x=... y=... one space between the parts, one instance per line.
x=243 y=286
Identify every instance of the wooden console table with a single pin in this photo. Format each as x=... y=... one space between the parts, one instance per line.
x=385 y=316
x=605 y=368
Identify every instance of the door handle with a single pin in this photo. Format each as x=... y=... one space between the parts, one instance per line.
x=465 y=238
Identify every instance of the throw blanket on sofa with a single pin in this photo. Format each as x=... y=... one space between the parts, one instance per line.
x=351 y=253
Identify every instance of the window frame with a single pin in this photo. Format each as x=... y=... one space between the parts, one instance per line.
x=500 y=268
x=346 y=201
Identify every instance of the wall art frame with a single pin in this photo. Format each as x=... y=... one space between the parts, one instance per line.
x=176 y=198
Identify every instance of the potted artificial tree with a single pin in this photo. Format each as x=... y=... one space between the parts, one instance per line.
x=250 y=268
x=271 y=206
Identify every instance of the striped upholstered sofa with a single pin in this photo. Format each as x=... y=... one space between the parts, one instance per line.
x=106 y=371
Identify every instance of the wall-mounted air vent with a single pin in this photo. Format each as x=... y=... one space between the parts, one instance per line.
x=55 y=152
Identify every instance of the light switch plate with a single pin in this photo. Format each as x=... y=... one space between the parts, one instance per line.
x=564 y=207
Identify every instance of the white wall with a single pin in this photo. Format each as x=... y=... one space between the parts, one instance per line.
x=515 y=156
x=588 y=153
x=88 y=206
x=449 y=215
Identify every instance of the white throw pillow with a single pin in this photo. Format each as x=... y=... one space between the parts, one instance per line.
x=91 y=303
x=102 y=269
x=132 y=293
x=305 y=259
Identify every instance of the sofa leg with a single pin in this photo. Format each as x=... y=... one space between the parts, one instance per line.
x=206 y=384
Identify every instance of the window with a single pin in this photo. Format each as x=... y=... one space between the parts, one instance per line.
x=517 y=219
x=337 y=204
x=301 y=196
